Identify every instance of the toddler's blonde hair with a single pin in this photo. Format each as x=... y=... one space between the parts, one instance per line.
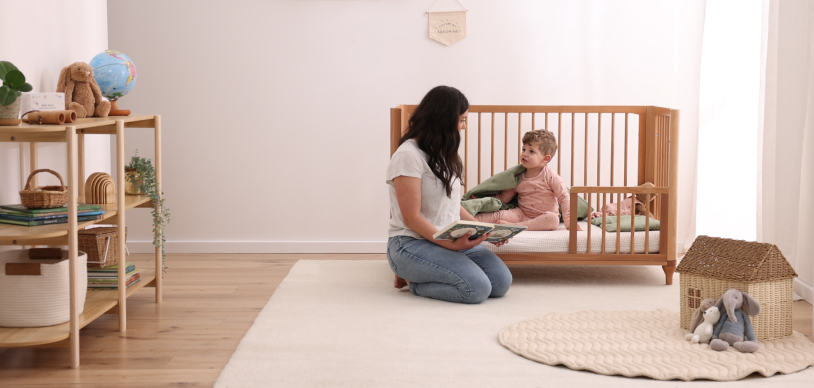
x=543 y=139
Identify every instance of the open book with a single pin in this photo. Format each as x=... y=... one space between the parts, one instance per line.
x=499 y=232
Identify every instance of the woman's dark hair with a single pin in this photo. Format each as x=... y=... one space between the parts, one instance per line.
x=434 y=126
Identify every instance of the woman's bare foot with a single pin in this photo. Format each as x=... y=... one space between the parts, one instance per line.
x=400 y=283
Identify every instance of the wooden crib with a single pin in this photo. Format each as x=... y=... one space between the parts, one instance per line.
x=607 y=150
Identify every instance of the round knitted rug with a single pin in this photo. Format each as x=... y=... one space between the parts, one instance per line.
x=645 y=343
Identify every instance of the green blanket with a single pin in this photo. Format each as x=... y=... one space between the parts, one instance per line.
x=638 y=223
x=509 y=179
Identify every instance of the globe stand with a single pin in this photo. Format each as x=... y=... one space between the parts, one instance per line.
x=115 y=111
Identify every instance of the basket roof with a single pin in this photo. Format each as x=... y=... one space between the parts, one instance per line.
x=728 y=259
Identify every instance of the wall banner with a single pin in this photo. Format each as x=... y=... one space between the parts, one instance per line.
x=447 y=27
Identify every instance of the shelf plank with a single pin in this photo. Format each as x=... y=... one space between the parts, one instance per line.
x=29 y=235
x=97 y=303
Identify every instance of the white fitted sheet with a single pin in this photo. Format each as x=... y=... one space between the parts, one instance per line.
x=556 y=241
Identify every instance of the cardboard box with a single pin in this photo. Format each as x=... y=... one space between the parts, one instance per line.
x=42 y=102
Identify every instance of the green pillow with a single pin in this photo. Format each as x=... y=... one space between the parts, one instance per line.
x=639 y=223
x=582 y=207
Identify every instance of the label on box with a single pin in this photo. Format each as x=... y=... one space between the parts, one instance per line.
x=42 y=102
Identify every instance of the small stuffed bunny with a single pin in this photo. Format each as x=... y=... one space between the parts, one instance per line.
x=82 y=93
x=698 y=315
x=734 y=327
x=703 y=332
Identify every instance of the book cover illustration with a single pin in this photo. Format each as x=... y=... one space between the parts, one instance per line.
x=457 y=229
x=502 y=232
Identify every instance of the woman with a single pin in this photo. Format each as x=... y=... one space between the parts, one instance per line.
x=425 y=194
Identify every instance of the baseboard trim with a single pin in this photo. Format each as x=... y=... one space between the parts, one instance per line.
x=262 y=247
x=804 y=290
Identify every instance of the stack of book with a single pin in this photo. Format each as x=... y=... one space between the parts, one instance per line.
x=21 y=215
x=108 y=278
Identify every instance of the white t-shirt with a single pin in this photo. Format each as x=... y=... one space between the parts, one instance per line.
x=436 y=207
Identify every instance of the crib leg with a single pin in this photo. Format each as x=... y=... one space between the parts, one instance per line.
x=668 y=271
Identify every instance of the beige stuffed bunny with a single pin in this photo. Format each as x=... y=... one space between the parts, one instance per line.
x=82 y=94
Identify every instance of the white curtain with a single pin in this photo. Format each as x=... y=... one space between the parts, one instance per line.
x=785 y=212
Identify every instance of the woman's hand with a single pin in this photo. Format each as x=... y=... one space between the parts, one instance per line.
x=463 y=242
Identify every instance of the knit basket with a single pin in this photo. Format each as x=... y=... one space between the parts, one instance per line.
x=39 y=300
x=101 y=245
x=44 y=197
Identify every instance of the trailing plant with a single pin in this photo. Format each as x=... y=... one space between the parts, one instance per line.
x=13 y=83
x=144 y=181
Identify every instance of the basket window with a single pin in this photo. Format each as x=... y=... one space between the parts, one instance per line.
x=693 y=298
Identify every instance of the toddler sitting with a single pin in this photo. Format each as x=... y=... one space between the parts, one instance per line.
x=540 y=190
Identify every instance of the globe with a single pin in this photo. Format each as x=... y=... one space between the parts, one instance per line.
x=115 y=73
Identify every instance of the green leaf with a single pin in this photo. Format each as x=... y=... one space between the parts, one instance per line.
x=15 y=79
x=25 y=88
x=7 y=95
x=5 y=67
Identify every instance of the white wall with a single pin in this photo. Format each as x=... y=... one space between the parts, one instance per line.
x=41 y=37
x=275 y=113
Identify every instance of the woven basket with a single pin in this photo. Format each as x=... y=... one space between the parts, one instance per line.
x=101 y=245
x=39 y=300
x=44 y=197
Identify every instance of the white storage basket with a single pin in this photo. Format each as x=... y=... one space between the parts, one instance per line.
x=39 y=300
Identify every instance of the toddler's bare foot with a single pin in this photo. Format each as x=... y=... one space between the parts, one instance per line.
x=504 y=222
x=400 y=283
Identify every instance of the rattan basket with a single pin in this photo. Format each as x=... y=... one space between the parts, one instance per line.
x=102 y=246
x=44 y=197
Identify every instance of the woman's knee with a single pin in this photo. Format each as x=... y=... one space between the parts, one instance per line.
x=501 y=281
x=477 y=289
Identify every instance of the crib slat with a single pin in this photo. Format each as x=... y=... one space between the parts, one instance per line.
x=559 y=143
x=506 y=142
x=493 y=145
x=466 y=155
x=598 y=150
x=626 y=165
x=479 y=148
x=519 y=132
x=618 y=229
x=613 y=140
x=585 y=163
x=647 y=224
x=588 y=244
x=572 y=148
x=632 y=226
x=603 y=220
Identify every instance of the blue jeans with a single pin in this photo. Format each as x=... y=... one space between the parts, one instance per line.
x=435 y=272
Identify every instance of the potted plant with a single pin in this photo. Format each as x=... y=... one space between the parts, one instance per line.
x=13 y=86
x=140 y=179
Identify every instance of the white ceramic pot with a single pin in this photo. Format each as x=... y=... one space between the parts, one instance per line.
x=11 y=112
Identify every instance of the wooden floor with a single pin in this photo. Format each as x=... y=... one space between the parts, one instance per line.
x=210 y=301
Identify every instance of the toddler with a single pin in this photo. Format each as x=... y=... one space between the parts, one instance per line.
x=539 y=191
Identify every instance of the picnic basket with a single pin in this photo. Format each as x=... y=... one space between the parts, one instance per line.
x=101 y=245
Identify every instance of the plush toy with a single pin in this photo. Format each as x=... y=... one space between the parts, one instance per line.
x=82 y=93
x=734 y=327
x=698 y=315
x=703 y=332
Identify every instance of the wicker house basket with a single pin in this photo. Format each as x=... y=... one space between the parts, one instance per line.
x=101 y=245
x=39 y=300
x=44 y=197
x=713 y=265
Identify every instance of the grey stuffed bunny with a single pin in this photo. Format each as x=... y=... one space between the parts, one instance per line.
x=734 y=328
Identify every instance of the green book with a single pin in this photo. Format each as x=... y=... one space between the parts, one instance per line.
x=23 y=209
x=48 y=221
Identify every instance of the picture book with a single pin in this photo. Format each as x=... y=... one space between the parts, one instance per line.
x=21 y=208
x=49 y=221
x=498 y=232
x=32 y=217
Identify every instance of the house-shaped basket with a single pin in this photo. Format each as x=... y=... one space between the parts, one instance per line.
x=714 y=265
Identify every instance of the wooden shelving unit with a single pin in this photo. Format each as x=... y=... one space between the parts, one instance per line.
x=97 y=302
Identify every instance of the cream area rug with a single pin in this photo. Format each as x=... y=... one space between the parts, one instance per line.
x=646 y=343
x=342 y=324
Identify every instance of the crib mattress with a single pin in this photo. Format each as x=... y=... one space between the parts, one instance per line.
x=556 y=241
